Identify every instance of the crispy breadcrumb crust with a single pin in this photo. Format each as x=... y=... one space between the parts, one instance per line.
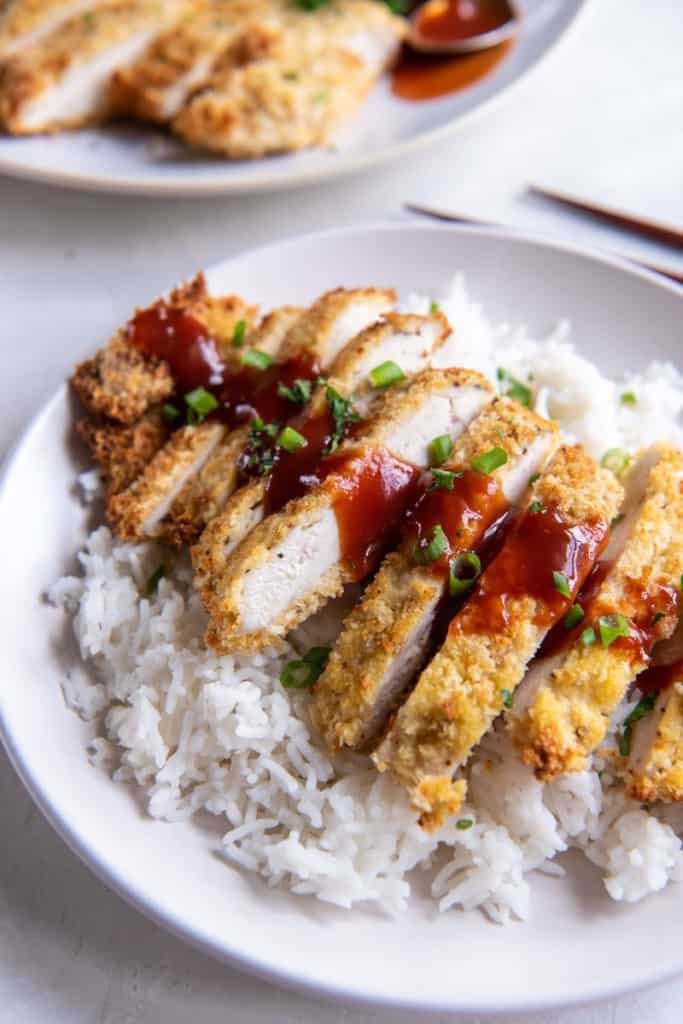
x=659 y=775
x=462 y=690
x=570 y=714
x=225 y=598
x=403 y=596
x=122 y=451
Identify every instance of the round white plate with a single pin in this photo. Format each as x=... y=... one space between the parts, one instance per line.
x=578 y=945
x=139 y=161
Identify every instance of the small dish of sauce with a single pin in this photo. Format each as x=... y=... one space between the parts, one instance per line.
x=462 y=26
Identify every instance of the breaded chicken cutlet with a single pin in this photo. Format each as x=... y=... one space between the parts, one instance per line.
x=291 y=564
x=387 y=636
x=566 y=703
x=409 y=341
x=23 y=22
x=197 y=469
x=527 y=588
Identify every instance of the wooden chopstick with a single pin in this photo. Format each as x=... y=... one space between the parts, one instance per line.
x=617 y=218
x=458 y=218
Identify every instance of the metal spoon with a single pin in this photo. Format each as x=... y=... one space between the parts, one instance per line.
x=467 y=44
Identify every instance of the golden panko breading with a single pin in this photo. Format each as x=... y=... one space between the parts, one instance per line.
x=122 y=451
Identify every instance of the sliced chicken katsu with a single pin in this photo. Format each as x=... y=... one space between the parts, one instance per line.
x=291 y=564
x=181 y=59
x=408 y=341
x=307 y=83
x=23 y=22
x=387 y=636
x=312 y=340
x=122 y=451
x=568 y=698
x=62 y=80
x=652 y=734
x=125 y=378
x=526 y=589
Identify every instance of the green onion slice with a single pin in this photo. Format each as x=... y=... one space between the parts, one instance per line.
x=464 y=571
x=443 y=480
x=201 y=402
x=561 y=584
x=259 y=360
x=464 y=823
x=239 y=333
x=507 y=698
x=386 y=374
x=297 y=675
x=489 y=461
x=170 y=413
x=533 y=479
x=611 y=627
x=617 y=460
x=588 y=637
x=299 y=392
x=628 y=398
x=434 y=307
x=642 y=708
x=152 y=584
x=574 y=616
x=439 y=449
x=434 y=549
x=535 y=507
x=514 y=388
x=343 y=415
x=291 y=439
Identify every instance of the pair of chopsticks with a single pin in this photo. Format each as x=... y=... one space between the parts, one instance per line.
x=651 y=229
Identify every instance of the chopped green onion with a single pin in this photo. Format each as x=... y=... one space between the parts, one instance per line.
x=533 y=479
x=291 y=439
x=617 y=519
x=628 y=398
x=426 y=553
x=657 y=617
x=535 y=507
x=434 y=307
x=489 y=461
x=588 y=637
x=170 y=413
x=464 y=823
x=386 y=374
x=261 y=446
x=442 y=479
x=507 y=698
x=239 y=333
x=311 y=5
x=299 y=392
x=152 y=584
x=343 y=415
x=520 y=392
x=259 y=360
x=617 y=460
x=611 y=627
x=574 y=616
x=297 y=675
x=201 y=402
x=681 y=581
x=642 y=708
x=561 y=585
x=439 y=449
x=465 y=569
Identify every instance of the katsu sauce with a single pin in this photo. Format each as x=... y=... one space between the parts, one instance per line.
x=445 y=21
x=418 y=76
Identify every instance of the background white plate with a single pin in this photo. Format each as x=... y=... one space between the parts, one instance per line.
x=136 y=160
x=578 y=945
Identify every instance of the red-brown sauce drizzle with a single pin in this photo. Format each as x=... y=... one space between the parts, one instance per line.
x=372 y=492
x=656 y=678
x=539 y=544
x=295 y=473
x=172 y=334
x=465 y=513
x=448 y=20
x=418 y=76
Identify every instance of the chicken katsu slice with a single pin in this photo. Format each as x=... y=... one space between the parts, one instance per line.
x=62 y=80
x=181 y=59
x=123 y=379
x=305 y=344
x=293 y=562
x=122 y=451
x=24 y=22
x=387 y=636
x=526 y=589
x=206 y=492
x=566 y=702
x=409 y=341
x=653 y=732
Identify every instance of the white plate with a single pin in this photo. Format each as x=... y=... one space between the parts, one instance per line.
x=138 y=161
x=578 y=945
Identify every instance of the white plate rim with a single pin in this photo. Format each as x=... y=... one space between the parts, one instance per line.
x=231 y=954
x=216 y=186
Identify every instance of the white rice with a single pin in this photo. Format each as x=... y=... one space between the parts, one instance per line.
x=195 y=731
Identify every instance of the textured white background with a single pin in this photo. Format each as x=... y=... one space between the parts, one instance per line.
x=604 y=118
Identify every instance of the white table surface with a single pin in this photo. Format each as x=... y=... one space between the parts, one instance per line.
x=604 y=118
